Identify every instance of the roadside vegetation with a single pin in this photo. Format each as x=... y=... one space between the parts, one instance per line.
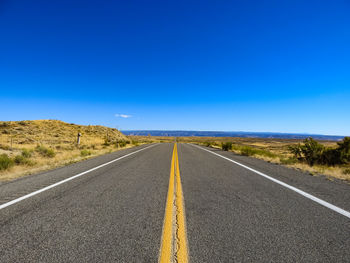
x=28 y=147
x=330 y=158
x=31 y=146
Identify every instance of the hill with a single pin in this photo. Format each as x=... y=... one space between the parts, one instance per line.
x=53 y=132
x=30 y=146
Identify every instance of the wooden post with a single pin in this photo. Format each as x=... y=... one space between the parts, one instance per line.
x=78 y=140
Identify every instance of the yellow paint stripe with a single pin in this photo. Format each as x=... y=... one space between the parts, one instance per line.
x=174 y=240
x=182 y=250
x=167 y=237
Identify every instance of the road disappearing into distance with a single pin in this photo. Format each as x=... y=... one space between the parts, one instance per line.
x=174 y=203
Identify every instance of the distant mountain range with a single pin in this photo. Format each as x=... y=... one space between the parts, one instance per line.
x=232 y=134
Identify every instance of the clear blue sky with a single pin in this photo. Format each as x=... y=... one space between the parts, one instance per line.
x=280 y=66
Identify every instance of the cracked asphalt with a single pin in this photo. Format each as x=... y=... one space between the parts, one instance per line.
x=116 y=213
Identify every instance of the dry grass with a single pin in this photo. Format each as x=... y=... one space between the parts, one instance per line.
x=57 y=141
x=275 y=151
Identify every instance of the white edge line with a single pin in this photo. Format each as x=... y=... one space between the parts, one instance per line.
x=68 y=179
x=309 y=196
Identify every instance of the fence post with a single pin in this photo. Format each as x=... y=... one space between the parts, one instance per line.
x=78 y=139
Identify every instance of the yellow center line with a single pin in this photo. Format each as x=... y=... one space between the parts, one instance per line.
x=174 y=239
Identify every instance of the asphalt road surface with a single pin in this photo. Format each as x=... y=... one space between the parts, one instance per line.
x=133 y=205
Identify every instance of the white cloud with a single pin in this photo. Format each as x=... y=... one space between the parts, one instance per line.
x=125 y=116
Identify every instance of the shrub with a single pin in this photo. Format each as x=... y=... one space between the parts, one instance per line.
x=208 y=144
x=5 y=162
x=21 y=160
x=44 y=151
x=107 y=142
x=226 y=146
x=296 y=150
x=346 y=171
x=85 y=153
x=26 y=153
x=344 y=150
x=248 y=151
x=313 y=152
x=23 y=123
x=5 y=124
x=134 y=143
x=330 y=156
x=236 y=147
x=122 y=143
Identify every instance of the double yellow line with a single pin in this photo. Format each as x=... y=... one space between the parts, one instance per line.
x=174 y=240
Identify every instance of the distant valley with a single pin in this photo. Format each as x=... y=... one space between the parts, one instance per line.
x=231 y=134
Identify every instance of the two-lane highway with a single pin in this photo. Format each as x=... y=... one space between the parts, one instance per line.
x=115 y=209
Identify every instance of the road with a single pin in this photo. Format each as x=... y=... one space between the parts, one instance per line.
x=165 y=203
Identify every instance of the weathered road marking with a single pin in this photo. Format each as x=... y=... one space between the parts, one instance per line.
x=174 y=239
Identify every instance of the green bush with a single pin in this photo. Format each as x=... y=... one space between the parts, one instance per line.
x=44 y=151
x=21 y=160
x=313 y=152
x=122 y=143
x=346 y=171
x=5 y=162
x=226 y=146
x=248 y=151
x=344 y=150
x=26 y=153
x=85 y=153
x=296 y=150
x=330 y=156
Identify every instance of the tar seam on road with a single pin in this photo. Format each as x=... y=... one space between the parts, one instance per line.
x=66 y=180
x=174 y=238
x=309 y=196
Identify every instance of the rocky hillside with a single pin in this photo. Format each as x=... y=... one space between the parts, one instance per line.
x=54 y=132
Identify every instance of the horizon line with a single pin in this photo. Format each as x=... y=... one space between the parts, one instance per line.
x=289 y=133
